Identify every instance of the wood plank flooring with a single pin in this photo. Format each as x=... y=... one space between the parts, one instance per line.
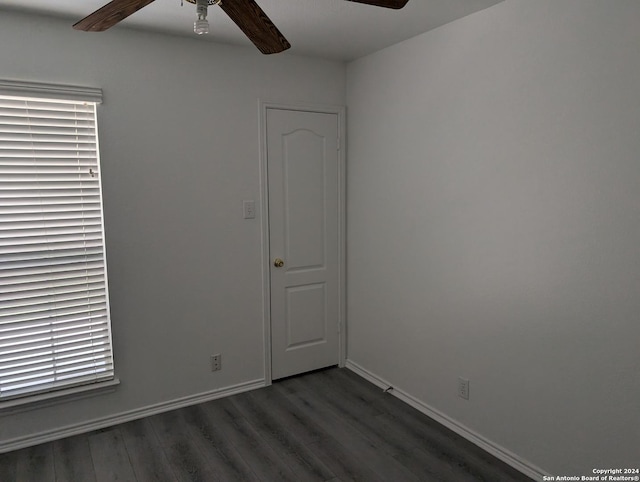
x=329 y=426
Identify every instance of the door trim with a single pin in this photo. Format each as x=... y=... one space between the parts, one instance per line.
x=340 y=111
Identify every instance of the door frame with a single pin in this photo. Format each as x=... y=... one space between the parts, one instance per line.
x=340 y=111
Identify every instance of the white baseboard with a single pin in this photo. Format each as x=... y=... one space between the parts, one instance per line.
x=497 y=451
x=103 y=422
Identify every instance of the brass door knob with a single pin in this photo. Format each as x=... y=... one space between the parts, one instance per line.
x=278 y=263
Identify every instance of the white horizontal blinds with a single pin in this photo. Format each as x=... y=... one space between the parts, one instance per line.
x=54 y=317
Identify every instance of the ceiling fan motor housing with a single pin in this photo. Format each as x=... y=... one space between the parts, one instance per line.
x=208 y=2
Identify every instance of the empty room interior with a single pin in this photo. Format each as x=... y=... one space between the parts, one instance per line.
x=438 y=205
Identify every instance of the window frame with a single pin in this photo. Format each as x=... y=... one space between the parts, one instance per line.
x=82 y=389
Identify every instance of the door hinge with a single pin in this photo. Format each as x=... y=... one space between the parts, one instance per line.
x=339 y=143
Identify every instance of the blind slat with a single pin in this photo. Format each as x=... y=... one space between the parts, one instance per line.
x=46 y=162
x=43 y=170
x=69 y=225
x=51 y=246
x=52 y=333
x=42 y=183
x=52 y=231
x=20 y=102
x=12 y=209
x=48 y=154
x=82 y=265
x=62 y=341
x=50 y=217
x=55 y=192
x=40 y=255
x=36 y=265
x=38 y=174
x=61 y=365
x=27 y=285
x=55 y=373
x=47 y=135
x=40 y=112
x=34 y=308
x=29 y=131
x=46 y=355
x=82 y=273
x=98 y=315
x=61 y=289
x=47 y=384
x=98 y=344
x=46 y=123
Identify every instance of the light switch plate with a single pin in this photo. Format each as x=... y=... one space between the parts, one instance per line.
x=249 y=209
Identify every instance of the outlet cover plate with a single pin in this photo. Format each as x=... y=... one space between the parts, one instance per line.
x=216 y=362
x=463 y=388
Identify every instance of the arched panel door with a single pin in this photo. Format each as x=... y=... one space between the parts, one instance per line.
x=302 y=170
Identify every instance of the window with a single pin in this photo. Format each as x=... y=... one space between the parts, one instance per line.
x=54 y=313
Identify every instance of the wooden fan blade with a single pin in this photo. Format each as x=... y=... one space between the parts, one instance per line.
x=256 y=25
x=109 y=15
x=395 y=4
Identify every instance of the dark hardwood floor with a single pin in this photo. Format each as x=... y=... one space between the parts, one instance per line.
x=329 y=425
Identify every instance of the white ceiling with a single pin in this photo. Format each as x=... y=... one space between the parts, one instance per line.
x=333 y=29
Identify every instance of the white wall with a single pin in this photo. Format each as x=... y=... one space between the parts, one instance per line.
x=179 y=132
x=494 y=226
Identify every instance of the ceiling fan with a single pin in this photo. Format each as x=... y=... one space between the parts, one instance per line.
x=246 y=14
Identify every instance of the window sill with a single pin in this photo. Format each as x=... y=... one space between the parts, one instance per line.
x=11 y=407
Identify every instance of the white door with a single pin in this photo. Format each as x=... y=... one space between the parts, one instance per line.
x=302 y=171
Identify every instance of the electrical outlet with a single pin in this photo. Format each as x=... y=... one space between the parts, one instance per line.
x=216 y=362
x=463 y=388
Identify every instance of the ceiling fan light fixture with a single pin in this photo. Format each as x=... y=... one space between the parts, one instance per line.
x=201 y=26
